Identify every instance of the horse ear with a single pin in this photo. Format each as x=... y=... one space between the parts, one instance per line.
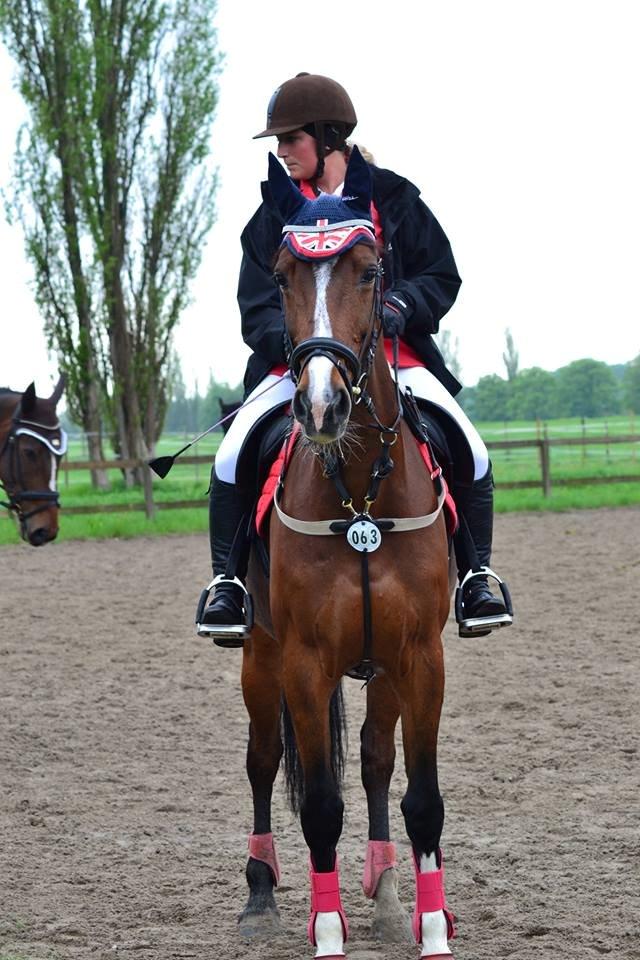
x=29 y=398
x=57 y=390
x=286 y=195
x=358 y=189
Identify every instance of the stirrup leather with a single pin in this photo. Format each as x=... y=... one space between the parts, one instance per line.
x=481 y=626
x=222 y=631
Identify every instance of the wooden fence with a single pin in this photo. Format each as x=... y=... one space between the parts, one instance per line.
x=542 y=444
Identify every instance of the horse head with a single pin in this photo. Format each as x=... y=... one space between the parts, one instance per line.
x=328 y=272
x=32 y=444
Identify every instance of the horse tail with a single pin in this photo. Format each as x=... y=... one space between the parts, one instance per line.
x=293 y=774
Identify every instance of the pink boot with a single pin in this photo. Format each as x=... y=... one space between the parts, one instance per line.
x=325 y=898
x=381 y=856
x=261 y=847
x=430 y=898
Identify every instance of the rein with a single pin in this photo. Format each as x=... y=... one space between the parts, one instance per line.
x=14 y=486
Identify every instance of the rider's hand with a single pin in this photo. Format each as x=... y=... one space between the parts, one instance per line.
x=395 y=312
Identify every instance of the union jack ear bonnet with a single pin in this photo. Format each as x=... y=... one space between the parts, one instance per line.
x=328 y=225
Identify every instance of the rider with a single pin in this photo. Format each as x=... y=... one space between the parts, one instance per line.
x=312 y=116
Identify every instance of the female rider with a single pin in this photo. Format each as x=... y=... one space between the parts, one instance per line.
x=312 y=116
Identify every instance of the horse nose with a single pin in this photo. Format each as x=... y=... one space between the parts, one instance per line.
x=39 y=536
x=337 y=412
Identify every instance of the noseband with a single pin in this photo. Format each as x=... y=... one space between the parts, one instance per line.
x=353 y=368
x=54 y=439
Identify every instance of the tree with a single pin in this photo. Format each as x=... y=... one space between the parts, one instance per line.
x=491 y=398
x=113 y=191
x=631 y=385
x=587 y=388
x=533 y=395
x=511 y=356
x=450 y=350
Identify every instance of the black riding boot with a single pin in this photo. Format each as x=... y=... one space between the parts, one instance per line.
x=478 y=610
x=224 y=616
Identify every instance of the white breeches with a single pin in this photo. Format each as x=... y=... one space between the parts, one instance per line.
x=273 y=391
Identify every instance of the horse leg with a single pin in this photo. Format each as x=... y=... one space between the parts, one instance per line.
x=421 y=692
x=262 y=697
x=391 y=923
x=308 y=694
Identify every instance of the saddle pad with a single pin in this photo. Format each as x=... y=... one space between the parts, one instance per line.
x=450 y=510
x=280 y=464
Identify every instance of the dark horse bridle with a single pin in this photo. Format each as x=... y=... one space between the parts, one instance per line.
x=354 y=368
x=14 y=486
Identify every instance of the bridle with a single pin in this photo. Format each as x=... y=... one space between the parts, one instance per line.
x=354 y=368
x=54 y=438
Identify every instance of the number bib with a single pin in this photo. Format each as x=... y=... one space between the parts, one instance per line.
x=364 y=535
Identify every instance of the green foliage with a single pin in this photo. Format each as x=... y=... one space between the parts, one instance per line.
x=491 y=398
x=631 y=386
x=532 y=395
x=587 y=388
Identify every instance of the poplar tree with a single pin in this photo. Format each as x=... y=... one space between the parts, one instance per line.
x=511 y=357
x=115 y=192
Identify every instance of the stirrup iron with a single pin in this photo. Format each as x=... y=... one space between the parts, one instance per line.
x=482 y=626
x=226 y=633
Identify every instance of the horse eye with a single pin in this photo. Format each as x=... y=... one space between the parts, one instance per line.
x=281 y=280
x=32 y=456
x=369 y=275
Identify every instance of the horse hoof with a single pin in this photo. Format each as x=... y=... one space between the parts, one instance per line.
x=392 y=929
x=254 y=926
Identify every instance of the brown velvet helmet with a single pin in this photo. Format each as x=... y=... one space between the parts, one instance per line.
x=309 y=99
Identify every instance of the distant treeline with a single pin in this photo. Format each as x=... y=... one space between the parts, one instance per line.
x=584 y=388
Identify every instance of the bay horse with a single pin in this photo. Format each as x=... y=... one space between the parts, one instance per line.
x=346 y=593
x=32 y=443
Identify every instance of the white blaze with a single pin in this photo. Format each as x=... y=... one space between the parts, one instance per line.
x=320 y=368
x=54 y=470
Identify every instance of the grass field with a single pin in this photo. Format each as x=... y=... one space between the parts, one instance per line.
x=190 y=482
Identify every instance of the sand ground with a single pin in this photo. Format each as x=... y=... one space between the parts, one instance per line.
x=124 y=803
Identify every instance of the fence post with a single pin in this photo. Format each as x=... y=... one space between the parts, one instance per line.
x=545 y=464
x=149 y=505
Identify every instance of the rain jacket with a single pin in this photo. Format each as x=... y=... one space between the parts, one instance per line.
x=418 y=265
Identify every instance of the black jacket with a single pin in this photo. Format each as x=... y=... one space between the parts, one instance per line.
x=418 y=264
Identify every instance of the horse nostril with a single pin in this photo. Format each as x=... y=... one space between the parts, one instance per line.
x=343 y=405
x=39 y=536
x=301 y=405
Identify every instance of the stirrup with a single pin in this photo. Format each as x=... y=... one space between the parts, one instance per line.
x=482 y=626
x=225 y=635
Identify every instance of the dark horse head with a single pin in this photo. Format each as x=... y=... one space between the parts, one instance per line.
x=32 y=444
x=328 y=273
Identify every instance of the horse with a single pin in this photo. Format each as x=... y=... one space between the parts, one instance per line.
x=32 y=443
x=226 y=409
x=362 y=595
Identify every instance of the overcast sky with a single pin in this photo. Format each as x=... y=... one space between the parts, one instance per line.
x=518 y=121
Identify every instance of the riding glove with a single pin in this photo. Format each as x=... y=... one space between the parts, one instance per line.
x=395 y=313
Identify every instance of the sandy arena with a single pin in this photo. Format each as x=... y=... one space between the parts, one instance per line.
x=125 y=807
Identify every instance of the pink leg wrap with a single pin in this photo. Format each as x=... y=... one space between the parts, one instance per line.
x=261 y=847
x=430 y=897
x=325 y=898
x=381 y=856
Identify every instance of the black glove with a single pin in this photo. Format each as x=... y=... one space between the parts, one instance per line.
x=395 y=312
